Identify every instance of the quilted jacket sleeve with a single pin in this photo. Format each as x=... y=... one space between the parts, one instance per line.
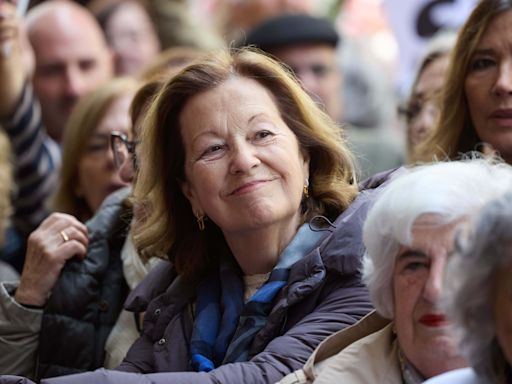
x=19 y=334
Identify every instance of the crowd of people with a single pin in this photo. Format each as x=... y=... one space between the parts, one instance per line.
x=199 y=210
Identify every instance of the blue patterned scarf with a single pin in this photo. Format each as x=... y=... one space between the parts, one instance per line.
x=224 y=327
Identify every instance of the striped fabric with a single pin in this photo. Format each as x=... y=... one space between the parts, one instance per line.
x=37 y=161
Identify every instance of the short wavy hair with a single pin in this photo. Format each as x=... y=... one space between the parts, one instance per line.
x=470 y=284
x=449 y=190
x=455 y=132
x=169 y=215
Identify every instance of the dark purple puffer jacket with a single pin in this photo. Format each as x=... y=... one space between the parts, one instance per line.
x=324 y=294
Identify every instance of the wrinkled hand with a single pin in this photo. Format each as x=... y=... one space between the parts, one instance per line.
x=56 y=240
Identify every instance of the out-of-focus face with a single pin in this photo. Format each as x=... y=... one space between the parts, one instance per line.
x=316 y=67
x=248 y=13
x=72 y=59
x=503 y=310
x=421 y=326
x=132 y=37
x=488 y=86
x=97 y=174
x=424 y=105
x=243 y=165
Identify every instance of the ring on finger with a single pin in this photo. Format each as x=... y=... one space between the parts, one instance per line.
x=64 y=236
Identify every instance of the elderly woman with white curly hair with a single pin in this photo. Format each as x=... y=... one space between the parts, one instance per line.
x=478 y=296
x=408 y=234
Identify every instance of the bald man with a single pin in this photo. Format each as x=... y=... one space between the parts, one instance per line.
x=71 y=59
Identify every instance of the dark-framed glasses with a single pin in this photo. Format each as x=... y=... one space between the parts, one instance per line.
x=123 y=148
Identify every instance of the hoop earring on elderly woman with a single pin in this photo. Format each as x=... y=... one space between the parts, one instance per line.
x=200 y=221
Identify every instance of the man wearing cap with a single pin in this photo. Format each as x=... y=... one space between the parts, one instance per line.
x=308 y=46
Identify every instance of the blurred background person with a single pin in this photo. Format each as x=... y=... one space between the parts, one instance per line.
x=88 y=176
x=408 y=234
x=112 y=265
x=178 y=26
x=71 y=59
x=477 y=296
x=476 y=105
x=307 y=45
x=236 y=18
x=7 y=273
x=88 y=172
x=169 y=60
x=129 y=32
x=422 y=108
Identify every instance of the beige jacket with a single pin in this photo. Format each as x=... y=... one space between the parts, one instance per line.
x=364 y=353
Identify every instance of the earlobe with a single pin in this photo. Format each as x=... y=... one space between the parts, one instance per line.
x=188 y=192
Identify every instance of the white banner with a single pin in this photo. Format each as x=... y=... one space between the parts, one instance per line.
x=414 y=22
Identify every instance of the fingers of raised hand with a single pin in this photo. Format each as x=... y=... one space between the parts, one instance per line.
x=59 y=237
x=76 y=243
x=63 y=222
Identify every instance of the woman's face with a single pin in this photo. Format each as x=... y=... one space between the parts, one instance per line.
x=97 y=174
x=488 y=86
x=421 y=326
x=503 y=310
x=243 y=165
x=423 y=104
x=132 y=37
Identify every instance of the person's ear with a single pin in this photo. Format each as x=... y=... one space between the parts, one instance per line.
x=305 y=164
x=189 y=192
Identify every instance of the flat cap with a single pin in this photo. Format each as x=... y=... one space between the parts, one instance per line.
x=289 y=29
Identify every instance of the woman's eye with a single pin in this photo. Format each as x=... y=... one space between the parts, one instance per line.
x=97 y=147
x=212 y=150
x=482 y=63
x=413 y=109
x=262 y=134
x=415 y=265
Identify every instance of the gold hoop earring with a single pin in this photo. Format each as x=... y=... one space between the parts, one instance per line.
x=305 y=189
x=200 y=222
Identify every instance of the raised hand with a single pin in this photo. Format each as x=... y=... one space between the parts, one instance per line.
x=58 y=238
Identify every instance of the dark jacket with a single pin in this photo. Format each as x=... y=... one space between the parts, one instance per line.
x=324 y=294
x=89 y=294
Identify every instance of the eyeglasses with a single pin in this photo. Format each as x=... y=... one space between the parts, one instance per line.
x=122 y=149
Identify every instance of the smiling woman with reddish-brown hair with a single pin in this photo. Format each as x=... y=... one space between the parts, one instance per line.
x=249 y=189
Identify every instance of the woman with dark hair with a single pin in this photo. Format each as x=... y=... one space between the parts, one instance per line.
x=129 y=32
x=422 y=109
x=476 y=102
